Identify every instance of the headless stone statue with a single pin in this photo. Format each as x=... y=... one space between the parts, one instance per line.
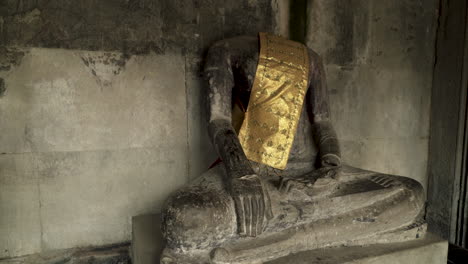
x=241 y=211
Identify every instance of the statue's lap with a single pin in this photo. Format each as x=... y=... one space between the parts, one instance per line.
x=202 y=215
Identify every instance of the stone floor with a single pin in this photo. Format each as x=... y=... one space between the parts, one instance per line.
x=112 y=254
x=430 y=250
x=147 y=245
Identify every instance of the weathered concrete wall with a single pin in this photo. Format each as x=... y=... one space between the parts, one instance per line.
x=379 y=57
x=108 y=122
x=132 y=26
x=86 y=145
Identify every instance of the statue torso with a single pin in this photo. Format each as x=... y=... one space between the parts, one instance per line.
x=244 y=52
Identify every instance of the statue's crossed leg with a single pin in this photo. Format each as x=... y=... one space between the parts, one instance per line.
x=200 y=222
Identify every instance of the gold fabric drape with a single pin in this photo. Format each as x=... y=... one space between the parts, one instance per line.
x=276 y=99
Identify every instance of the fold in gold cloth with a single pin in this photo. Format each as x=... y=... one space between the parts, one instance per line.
x=276 y=100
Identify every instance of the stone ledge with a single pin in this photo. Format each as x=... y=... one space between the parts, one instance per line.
x=147 y=247
x=428 y=250
x=146 y=239
x=110 y=254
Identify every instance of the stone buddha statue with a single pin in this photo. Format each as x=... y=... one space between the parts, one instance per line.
x=280 y=187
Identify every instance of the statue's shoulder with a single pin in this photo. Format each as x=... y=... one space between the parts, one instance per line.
x=236 y=41
x=235 y=45
x=314 y=57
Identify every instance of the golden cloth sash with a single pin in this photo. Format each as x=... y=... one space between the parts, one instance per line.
x=276 y=99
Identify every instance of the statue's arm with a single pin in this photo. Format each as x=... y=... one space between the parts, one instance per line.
x=319 y=111
x=220 y=83
x=251 y=200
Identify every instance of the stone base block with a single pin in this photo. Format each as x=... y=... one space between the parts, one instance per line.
x=428 y=250
x=147 y=247
x=146 y=239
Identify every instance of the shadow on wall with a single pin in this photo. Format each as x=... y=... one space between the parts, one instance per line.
x=379 y=58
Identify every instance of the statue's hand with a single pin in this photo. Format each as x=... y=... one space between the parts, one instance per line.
x=252 y=203
x=331 y=160
x=316 y=179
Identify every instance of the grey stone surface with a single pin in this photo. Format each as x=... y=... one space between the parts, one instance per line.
x=201 y=151
x=147 y=243
x=131 y=26
x=447 y=191
x=91 y=196
x=87 y=145
x=20 y=221
x=379 y=57
x=77 y=101
x=429 y=250
x=110 y=254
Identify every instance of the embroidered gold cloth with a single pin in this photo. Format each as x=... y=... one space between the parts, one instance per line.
x=276 y=99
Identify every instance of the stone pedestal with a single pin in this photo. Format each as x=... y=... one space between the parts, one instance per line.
x=146 y=239
x=147 y=247
x=429 y=250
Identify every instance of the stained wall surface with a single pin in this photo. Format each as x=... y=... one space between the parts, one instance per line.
x=84 y=149
x=379 y=58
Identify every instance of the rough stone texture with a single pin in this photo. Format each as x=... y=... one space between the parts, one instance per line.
x=430 y=250
x=20 y=221
x=77 y=101
x=362 y=208
x=201 y=151
x=447 y=188
x=379 y=57
x=82 y=155
x=129 y=25
x=147 y=242
x=111 y=254
x=90 y=196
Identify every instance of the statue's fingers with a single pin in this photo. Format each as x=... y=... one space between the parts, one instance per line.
x=304 y=180
x=336 y=173
x=255 y=216
x=267 y=202
x=289 y=186
x=239 y=206
x=314 y=174
x=268 y=211
x=248 y=216
x=261 y=214
x=282 y=183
